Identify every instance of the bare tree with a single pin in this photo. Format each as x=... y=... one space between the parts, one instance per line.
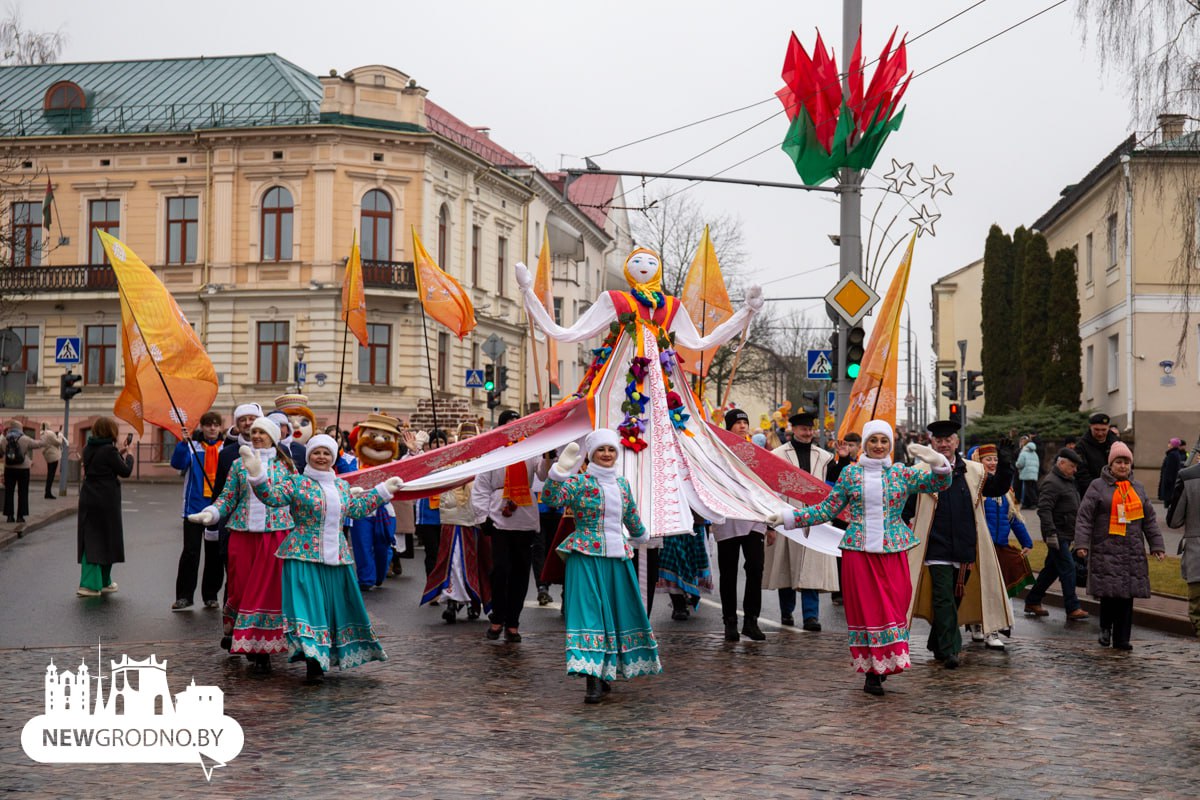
x=21 y=46
x=672 y=225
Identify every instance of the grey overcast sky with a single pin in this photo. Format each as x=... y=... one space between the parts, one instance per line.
x=1015 y=120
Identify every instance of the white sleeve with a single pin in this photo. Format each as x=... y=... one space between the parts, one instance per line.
x=481 y=495
x=593 y=322
x=687 y=335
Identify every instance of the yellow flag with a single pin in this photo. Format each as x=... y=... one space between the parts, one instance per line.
x=354 y=298
x=707 y=302
x=543 y=288
x=442 y=297
x=874 y=392
x=157 y=333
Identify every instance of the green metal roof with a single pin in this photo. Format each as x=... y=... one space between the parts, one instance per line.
x=178 y=94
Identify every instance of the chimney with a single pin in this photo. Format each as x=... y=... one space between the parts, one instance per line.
x=486 y=132
x=1171 y=126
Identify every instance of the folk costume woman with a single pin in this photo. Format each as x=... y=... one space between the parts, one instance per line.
x=608 y=632
x=876 y=586
x=253 y=612
x=327 y=624
x=1003 y=518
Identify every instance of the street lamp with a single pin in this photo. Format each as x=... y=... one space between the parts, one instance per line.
x=301 y=369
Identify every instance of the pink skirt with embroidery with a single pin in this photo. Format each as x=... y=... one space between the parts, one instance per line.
x=876 y=590
x=255 y=599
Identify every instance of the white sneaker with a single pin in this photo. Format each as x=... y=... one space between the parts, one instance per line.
x=83 y=591
x=112 y=587
x=993 y=642
x=976 y=633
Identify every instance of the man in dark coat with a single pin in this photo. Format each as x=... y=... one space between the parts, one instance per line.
x=1093 y=447
x=1173 y=461
x=1058 y=503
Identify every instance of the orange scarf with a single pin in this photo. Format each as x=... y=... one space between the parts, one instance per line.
x=212 y=453
x=516 y=485
x=1126 y=507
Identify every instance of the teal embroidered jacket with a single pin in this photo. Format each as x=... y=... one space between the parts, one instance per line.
x=236 y=501
x=582 y=494
x=307 y=502
x=899 y=481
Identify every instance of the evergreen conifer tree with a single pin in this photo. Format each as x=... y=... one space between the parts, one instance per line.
x=1063 y=384
x=998 y=355
x=1016 y=392
x=1033 y=312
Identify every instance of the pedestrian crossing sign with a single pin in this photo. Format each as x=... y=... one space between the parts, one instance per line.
x=820 y=365
x=66 y=350
x=474 y=379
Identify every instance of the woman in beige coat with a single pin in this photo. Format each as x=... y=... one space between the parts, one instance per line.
x=53 y=443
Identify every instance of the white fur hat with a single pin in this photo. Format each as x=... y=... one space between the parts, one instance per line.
x=247 y=410
x=599 y=437
x=879 y=426
x=321 y=440
x=267 y=426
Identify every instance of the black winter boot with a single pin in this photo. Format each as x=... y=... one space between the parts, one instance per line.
x=731 y=630
x=679 y=608
x=750 y=628
x=593 y=694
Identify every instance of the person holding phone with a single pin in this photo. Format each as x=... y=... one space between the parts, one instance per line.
x=53 y=443
x=100 y=534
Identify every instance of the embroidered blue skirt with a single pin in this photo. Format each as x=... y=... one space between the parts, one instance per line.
x=608 y=632
x=325 y=617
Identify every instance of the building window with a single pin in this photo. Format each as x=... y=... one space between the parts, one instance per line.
x=476 y=246
x=1112 y=241
x=27 y=234
x=377 y=226
x=277 y=225
x=1114 y=362
x=443 y=361
x=443 y=249
x=373 y=360
x=1088 y=257
x=29 y=361
x=63 y=96
x=183 y=214
x=100 y=355
x=501 y=259
x=103 y=215
x=558 y=311
x=272 y=352
x=1089 y=372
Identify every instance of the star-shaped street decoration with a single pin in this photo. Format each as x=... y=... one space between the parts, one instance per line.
x=900 y=176
x=924 y=221
x=940 y=182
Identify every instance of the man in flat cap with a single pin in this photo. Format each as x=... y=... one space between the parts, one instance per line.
x=791 y=566
x=1058 y=503
x=956 y=576
x=1093 y=447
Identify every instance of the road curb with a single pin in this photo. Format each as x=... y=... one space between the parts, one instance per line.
x=10 y=533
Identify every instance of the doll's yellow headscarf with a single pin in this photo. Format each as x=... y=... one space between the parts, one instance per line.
x=651 y=286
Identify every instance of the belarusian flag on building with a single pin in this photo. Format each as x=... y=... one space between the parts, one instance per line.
x=47 y=201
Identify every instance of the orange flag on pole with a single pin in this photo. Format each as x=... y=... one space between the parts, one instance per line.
x=164 y=360
x=543 y=288
x=874 y=392
x=707 y=302
x=354 y=297
x=442 y=297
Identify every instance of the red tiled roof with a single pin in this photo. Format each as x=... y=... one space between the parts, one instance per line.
x=591 y=194
x=443 y=123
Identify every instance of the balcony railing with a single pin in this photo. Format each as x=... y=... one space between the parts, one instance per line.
x=389 y=275
x=77 y=278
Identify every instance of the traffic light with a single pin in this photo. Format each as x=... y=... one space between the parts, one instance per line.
x=501 y=379
x=974 y=384
x=956 y=413
x=66 y=386
x=856 y=339
x=489 y=379
x=950 y=381
x=493 y=399
x=833 y=356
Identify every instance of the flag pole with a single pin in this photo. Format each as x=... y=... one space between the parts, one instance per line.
x=429 y=367
x=733 y=370
x=342 y=379
x=537 y=372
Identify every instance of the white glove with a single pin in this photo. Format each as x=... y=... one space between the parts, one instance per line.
x=392 y=485
x=205 y=516
x=775 y=519
x=754 y=298
x=357 y=491
x=569 y=459
x=252 y=463
x=524 y=279
x=927 y=454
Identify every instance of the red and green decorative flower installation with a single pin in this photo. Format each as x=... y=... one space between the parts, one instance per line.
x=829 y=131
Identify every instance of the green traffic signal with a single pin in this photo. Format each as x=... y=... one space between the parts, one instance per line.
x=852 y=370
x=489 y=385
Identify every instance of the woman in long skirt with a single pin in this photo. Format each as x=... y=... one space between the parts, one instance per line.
x=876 y=587
x=253 y=613
x=608 y=632
x=327 y=624
x=101 y=535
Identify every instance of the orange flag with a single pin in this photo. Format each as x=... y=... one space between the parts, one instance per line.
x=543 y=289
x=160 y=335
x=706 y=301
x=874 y=392
x=442 y=297
x=354 y=298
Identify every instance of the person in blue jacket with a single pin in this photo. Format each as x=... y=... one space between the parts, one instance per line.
x=1003 y=517
x=197 y=457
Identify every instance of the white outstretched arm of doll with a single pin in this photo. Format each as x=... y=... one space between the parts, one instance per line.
x=524 y=278
x=594 y=321
x=686 y=334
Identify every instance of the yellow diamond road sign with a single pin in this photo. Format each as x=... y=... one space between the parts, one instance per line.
x=852 y=298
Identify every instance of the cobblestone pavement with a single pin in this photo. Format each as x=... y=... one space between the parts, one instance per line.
x=451 y=715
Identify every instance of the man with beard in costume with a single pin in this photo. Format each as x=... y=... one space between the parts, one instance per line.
x=377 y=442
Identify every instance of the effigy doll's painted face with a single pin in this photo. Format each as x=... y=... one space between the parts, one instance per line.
x=376 y=447
x=643 y=267
x=302 y=427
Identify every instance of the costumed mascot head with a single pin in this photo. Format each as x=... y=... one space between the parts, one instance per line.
x=304 y=422
x=377 y=440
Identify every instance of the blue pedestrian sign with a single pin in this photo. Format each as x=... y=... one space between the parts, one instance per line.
x=474 y=379
x=820 y=365
x=66 y=350
x=831 y=402
x=301 y=373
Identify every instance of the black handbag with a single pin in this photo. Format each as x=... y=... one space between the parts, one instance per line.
x=1081 y=570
